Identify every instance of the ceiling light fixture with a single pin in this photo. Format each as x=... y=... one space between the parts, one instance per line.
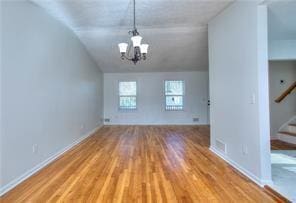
x=140 y=50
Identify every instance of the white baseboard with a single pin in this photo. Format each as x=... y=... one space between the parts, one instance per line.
x=247 y=173
x=44 y=163
x=156 y=124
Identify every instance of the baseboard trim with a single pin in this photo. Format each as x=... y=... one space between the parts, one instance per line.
x=44 y=163
x=157 y=124
x=276 y=194
x=245 y=172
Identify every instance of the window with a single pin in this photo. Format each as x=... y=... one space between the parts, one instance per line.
x=174 y=92
x=128 y=95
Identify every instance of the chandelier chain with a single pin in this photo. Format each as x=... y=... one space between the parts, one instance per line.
x=134 y=14
x=139 y=50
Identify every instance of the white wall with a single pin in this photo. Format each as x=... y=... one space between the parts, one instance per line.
x=281 y=30
x=282 y=50
x=151 y=104
x=238 y=75
x=51 y=89
x=281 y=112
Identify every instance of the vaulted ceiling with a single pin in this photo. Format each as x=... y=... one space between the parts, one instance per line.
x=176 y=30
x=282 y=20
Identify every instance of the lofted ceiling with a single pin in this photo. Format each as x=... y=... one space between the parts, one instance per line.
x=176 y=30
x=282 y=20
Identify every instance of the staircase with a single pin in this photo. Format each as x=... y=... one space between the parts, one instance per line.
x=287 y=132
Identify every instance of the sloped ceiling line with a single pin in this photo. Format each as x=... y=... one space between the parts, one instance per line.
x=175 y=30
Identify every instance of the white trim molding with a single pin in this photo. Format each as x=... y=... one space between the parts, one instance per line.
x=155 y=124
x=245 y=172
x=4 y=189
x=286 y=123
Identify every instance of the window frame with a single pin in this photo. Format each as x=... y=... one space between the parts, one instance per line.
x=165 y=96
x=119 y=96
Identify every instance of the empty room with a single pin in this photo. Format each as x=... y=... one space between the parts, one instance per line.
x=148 y=101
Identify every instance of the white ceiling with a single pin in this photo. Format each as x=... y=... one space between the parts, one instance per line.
x=282 y=19
x=176 y=30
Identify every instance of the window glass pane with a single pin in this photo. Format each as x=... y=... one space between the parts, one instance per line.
x=174 y=100
x=127 y=102
x=127 y=88
x=174 y=87
x=173 y=108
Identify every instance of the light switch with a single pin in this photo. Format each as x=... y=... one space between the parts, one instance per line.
x=253 y=99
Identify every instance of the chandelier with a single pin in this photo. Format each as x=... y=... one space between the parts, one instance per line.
x=139 y=50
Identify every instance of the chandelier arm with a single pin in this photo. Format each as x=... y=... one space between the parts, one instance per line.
x=135 y=58
x=127 y=58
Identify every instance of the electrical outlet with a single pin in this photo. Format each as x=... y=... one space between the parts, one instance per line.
x=35 y=149
x=107 y=120
x=245 y=150
x=253 y=98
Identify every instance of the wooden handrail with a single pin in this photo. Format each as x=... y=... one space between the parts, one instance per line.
x=285 y=93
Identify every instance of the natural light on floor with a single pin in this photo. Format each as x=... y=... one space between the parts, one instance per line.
x=283 y=164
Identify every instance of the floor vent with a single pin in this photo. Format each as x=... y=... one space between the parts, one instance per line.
x=221 y=146
x=195 y=119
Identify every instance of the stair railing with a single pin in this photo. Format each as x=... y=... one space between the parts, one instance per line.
x=286 y=93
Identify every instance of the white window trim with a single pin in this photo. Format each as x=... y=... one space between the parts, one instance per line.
x=183 y=95
x=118 y=93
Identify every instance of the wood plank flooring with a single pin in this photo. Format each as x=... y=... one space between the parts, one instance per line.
x=140 y=164
x=280 y=145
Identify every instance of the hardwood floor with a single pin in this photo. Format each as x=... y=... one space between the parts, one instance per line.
x=140 y=164
x=280 y=145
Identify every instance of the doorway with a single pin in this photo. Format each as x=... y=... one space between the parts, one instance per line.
x=282 y=93
x=282 y=84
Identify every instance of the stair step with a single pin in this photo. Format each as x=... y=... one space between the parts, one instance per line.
x=287 y=133
x=292 y=124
